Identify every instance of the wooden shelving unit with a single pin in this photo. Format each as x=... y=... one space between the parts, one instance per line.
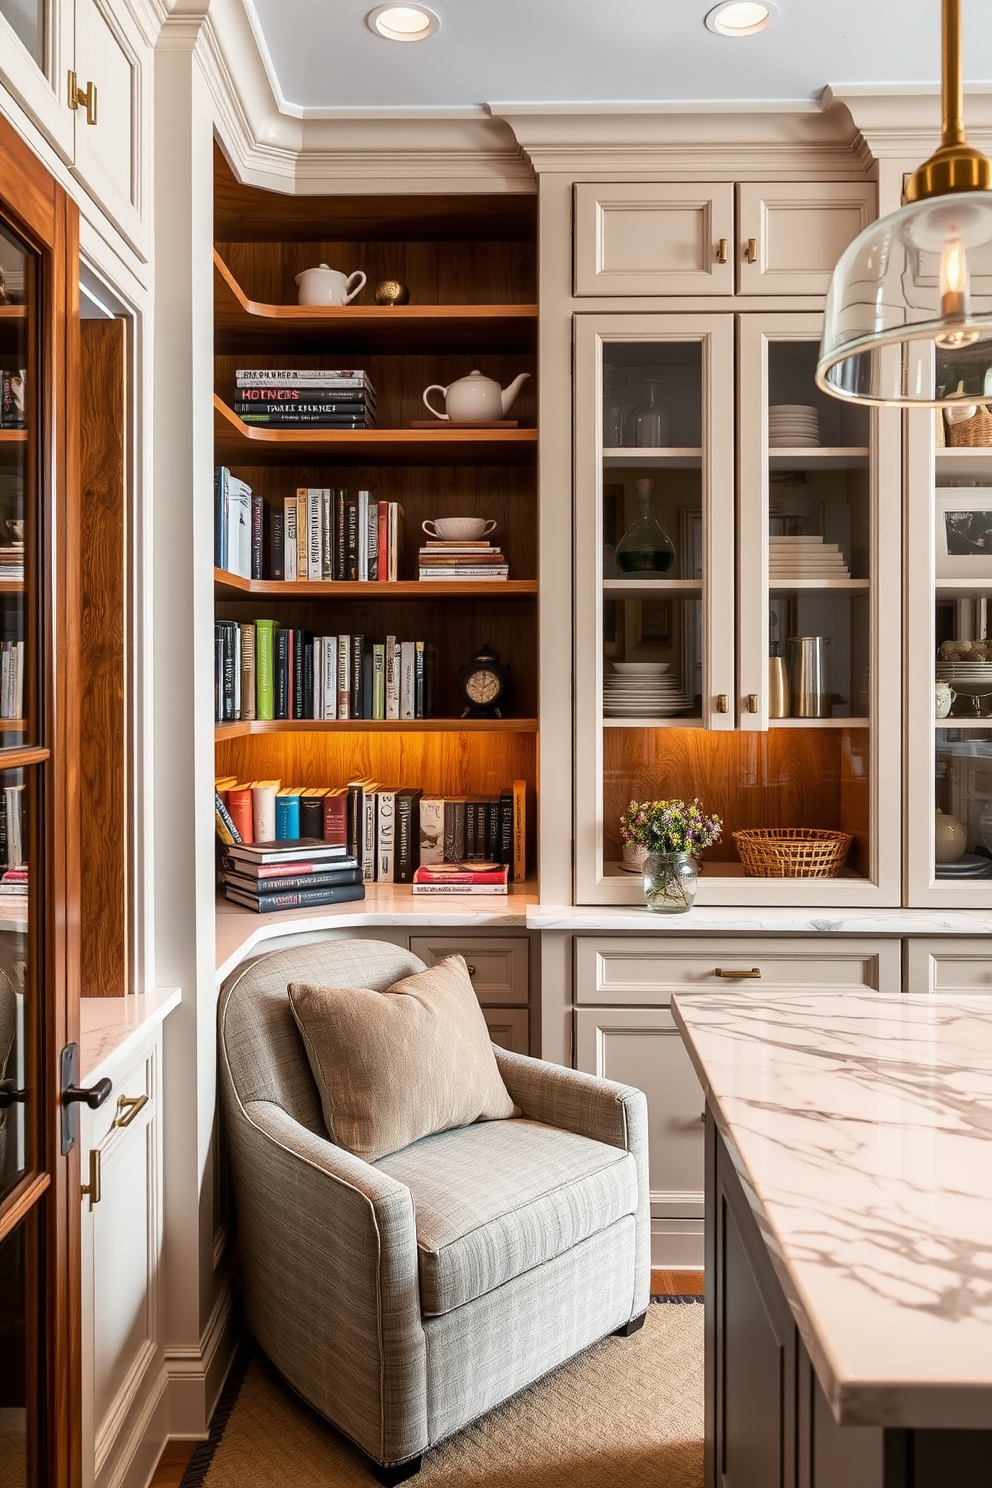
x=429 y=591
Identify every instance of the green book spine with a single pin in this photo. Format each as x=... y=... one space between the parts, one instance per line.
x=378 y=681
x=264 y=669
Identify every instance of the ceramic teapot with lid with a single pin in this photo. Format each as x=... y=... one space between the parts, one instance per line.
x=475 y=399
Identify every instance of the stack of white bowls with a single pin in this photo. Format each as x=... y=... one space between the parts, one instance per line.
x=643 y=689
x=793 y=426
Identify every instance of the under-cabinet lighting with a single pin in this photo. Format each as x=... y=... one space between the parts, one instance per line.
x=740 y=17
x=403 y=22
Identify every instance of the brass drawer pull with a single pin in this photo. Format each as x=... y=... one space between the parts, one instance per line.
x=82 y=97
x=742 y=976
x=751 y=252
x=93 y=1187
x=470 y=968
x=723 y=702
x=752 y=702
x=722 y=251
x=128 y=1107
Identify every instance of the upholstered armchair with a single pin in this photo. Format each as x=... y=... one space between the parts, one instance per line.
x=404 y=1298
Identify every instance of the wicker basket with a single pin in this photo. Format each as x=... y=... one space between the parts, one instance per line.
x=792 y=852
x=972 y=433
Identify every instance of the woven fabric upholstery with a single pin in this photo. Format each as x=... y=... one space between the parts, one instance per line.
x=601 y=1109
x=494 y=1200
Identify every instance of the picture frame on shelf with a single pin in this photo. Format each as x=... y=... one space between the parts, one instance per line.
x=963 y=532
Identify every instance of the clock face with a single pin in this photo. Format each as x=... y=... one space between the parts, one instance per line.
x=483 y=687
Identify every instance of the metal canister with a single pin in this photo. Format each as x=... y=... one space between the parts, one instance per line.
x=809 y=684
x=778 y=684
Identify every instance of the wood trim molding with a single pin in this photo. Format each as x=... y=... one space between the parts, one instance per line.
x=905 y=123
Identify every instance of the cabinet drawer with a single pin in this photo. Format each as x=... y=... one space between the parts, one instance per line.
x=130 y=1084
x=797 y=230
x=498 y=967
x=509 y=1028
x=647 y=970
x=644 y=238
x=948 y=965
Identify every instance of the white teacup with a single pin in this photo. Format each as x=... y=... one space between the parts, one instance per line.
x=459 y=529
x=325 y=286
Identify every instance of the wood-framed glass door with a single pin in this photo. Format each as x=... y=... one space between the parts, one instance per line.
x=39 y=1225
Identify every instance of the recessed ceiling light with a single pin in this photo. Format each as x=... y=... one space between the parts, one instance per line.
x=403 y=22
x=740 y=17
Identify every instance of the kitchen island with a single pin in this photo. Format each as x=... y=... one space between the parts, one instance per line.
x=849 y=1238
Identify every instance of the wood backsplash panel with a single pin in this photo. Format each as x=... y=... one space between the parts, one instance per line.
x=785 y=777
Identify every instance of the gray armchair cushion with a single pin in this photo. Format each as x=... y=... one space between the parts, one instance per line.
x=554 y=1189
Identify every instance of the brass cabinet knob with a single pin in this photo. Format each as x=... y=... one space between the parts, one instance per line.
x=723 y=703
x=752 y=702
x=751 y=251
x=470 y=968
x=722 y=251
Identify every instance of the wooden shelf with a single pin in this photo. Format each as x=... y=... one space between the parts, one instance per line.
x=820 y=457
x=232 y=587
x=962 y=588
x=244 y=728
x=651 y=588
x=237 y=443
x=818 y=723
x=11 y=586
x=841 y=586
x=242 y=324
x=773 y=723
x=959 y=464
x=667 y=457
x=13 y=436
x=963 y=723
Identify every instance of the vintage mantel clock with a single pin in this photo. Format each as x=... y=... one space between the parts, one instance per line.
x=485 y=684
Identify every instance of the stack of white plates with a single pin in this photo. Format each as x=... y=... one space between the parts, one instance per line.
x=972 y=865
x=804 y=558
x=643 y=689
x=971 y=678
x=793 y=425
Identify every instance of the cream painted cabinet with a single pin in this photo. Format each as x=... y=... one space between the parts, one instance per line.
x=698 y=557
x=499 y=966
x=121 y=1235
x=646 y=238
x=953 y=964
x=790 y=234
x=664 y=238
x=82 y=69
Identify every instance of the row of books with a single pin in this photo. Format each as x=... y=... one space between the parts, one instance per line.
x=11 y=679
x=267 y=671
x=239 y=524
x=269 y=876
x=471 y=560
x=13 y=826
x=13 y=413
x=12 y=562
x=14 y=883
x=389 y=831
x=296 y=397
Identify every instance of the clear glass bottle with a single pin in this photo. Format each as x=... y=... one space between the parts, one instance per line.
x=612 y=411
x=645 y=549
x=650 y=419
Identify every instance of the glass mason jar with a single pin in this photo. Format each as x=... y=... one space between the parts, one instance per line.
x=670 y=882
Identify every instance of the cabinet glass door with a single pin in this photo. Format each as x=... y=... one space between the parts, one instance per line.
x=949 y=808
x=654 y=555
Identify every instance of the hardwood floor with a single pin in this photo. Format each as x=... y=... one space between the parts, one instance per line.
x=172 y=1464
x=676 y=1283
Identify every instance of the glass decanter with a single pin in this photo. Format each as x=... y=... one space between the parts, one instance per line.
x=650 y=419
x=612 y=411
x=645 y=548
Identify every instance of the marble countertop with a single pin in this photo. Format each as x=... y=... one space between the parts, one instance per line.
x=109 y=1027
x=861 y=1126
x=714 y=919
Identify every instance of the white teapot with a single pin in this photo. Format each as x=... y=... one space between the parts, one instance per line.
x=326 y=286
x=475 y=399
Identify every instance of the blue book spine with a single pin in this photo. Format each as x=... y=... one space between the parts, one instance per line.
x=287 y=818
x=220 y=517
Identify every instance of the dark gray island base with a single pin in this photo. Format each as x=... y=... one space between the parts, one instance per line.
x=768 y=1422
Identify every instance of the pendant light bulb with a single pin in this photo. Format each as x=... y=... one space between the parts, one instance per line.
x=954 y=298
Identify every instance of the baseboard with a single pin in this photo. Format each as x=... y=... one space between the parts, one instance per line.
x=196 y=1376
x=137 y=1457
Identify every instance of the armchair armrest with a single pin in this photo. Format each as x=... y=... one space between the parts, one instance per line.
x=329 y=1254
x=602 y=1109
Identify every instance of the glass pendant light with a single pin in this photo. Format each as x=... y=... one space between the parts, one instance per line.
x=909 y=313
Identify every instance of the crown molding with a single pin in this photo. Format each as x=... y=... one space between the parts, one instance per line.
x=904 y=123
x=679 y=140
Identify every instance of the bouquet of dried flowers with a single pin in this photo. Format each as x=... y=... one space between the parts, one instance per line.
x=670 y=826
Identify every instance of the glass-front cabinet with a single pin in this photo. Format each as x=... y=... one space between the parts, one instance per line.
x=949 y=573
x=738 y=590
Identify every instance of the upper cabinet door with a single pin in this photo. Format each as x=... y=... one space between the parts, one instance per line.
x=36 y=53
x=113 y=132
x=791 y=234
x=642 y=238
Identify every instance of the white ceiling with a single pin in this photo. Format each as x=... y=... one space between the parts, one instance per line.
x=323 y=59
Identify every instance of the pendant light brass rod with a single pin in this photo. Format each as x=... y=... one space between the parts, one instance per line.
x=952 y=88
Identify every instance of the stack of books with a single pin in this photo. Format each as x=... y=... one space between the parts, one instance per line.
x=14 y=883
x=330 y=535
x=287 y=398
x=267 y=671
x=462 y=560
x=11 y=679
x=461 y=878
x=267 y=876
x=12 y=562
x=12 y=404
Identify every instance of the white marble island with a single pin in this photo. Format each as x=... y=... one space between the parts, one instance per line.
x=849 y=1211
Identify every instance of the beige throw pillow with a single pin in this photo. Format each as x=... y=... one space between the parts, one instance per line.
x=397 y=1065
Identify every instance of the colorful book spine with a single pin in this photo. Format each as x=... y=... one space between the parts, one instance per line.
x=263 y=810
x=296 y=899
x=264 y=669
x=378 y=681
x=226 y=830
x=289 y=538
x=287 y=816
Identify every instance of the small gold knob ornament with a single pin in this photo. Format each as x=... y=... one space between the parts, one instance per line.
x=392 y=292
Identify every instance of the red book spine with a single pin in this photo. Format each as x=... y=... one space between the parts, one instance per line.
x=383 y=556
x=239 y=807
x=336 y=819
x=494 y=876
x=293 y=870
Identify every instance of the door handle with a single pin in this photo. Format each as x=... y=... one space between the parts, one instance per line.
x=722 y=251
x=93 y=1188
x=90 y=1095
x=742 y=976
x=9 y=1093
x=752 y=702
x=73 y=1093
x=723 y=703
x=128 y=1107
x=751 y=251
x=82 y=97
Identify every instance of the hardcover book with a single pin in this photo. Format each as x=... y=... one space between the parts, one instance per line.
x=295 y=899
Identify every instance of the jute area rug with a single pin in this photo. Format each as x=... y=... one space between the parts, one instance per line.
x=628 y=1412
